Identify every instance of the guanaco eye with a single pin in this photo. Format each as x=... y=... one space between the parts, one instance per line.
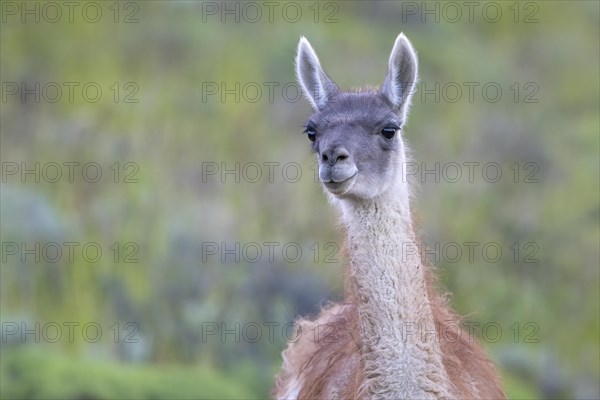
x=388 y=132
x=311 y=133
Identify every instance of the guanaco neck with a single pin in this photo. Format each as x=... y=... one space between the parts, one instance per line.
x=385 y=279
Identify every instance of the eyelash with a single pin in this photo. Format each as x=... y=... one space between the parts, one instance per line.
x=389 y=131
x=310 y=132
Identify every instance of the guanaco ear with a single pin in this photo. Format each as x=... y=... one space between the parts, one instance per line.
x=401 y=78
x=316 y=85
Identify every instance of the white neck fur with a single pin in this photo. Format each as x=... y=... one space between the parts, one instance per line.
x=400 y=349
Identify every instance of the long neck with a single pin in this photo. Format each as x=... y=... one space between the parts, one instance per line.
x=385 y=279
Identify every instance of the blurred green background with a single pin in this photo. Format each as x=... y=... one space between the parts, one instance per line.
x=184 y=92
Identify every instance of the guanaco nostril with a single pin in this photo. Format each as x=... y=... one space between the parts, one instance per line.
x=341 y=154
x=333 y=156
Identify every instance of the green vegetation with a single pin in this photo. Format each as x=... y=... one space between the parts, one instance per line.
x=43 y=375
x=159 y=201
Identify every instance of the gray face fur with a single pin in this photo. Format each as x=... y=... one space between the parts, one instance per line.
x=357 y=135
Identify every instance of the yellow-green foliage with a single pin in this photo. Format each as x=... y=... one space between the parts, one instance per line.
x=29 y=374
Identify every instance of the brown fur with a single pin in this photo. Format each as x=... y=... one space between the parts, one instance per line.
x=331 y=356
